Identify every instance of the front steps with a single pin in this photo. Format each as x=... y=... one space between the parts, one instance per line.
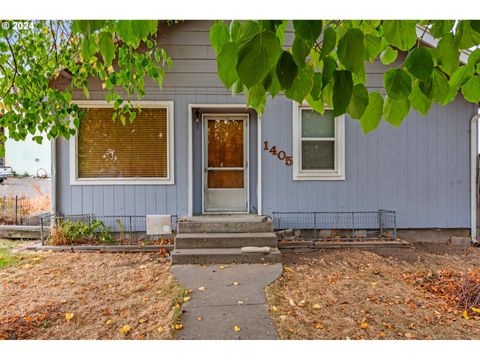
x=218 y=240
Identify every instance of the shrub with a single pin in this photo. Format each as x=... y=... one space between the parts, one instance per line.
x=68 y=232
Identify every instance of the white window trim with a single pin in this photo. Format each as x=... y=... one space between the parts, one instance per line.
x=339 y=172
x=168 y=180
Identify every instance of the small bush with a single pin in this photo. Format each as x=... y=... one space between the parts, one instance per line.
x=68 y=232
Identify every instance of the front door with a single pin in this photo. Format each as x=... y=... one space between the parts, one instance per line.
x=225 y=180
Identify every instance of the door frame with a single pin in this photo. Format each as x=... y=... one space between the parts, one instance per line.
x=246 y=156
x=194 y=106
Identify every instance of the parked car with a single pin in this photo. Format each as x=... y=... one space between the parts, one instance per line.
x=5 y=172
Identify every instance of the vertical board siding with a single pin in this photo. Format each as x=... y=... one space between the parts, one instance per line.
x=421 y=170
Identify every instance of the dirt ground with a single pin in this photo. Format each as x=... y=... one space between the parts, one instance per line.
x=87 y=296
x=390 y=294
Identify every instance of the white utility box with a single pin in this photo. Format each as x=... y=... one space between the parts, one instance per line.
x=159 y=224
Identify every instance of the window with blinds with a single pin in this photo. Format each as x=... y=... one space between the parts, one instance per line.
x=109 y=149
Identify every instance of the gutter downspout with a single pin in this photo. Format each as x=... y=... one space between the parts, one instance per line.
x=473 y=177
x=53 y=182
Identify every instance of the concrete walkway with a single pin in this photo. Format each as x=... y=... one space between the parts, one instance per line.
x=225 y=297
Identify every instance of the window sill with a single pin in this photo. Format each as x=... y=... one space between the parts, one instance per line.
x=319 y=177
x=120 y=181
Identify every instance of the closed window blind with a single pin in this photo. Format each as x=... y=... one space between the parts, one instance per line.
x=108 y=149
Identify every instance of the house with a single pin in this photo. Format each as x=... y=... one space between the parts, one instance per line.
x=198 y=150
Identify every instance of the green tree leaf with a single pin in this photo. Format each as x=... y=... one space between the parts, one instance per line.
x=271 y=83
x=474 y=58
x=400 y=33
x=395 y=110
x=106 y=47
x=419 y=63
x=316 y=105
x=397 y=84
x=465 y=36
x=300 y=50
x=475 y=25
x=342 y=91
x=329 y=42
x=87 y=27
x=441 y=27
x=436 y=87
x=419 y=100
x=257 y=56
x=287 y=70
x=89 y=47
x=358 y=102
x=301 y=86
x=316 y=91
x=308 y=29
x=373 y=113
x=219 y=36
x=471 y=89
x=351 y=50
x=373 y=46
x=329 y=66
x=388 y=56
x=447 y=54
x=256 y=98
x=461 y=76
x=227 y=62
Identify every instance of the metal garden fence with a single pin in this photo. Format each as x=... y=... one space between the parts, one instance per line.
x=338 y=225
x=14 y=208
x=131 y=227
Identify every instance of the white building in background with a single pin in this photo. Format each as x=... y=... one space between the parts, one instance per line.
x=28 y=157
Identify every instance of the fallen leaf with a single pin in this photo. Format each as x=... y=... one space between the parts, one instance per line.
x=125 y=329
x=186 y=298
x=177 y=306
x=408 y=335
x=318 y=325
x=475 y=310
x=141 y=321
x=178 y=326
x=106 y=312
x=28 y=318
x=69 y=316
x=199 y=318
x=108 y=322
x=301 y=303
x=221 y=267
x=201 y=288
x=364 y=325
x=36 y=258
x=291 y=302
x=240 y=301
x=381 y=334
x=145 y=299
x=236 y=283
x=465 y=315
x=161 y=329
x=274 y=308
x=283 y=317
x=236 y=328
x=316 y=306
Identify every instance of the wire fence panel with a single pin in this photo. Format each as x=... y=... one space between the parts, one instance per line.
x=338 y=225
x=122 y=227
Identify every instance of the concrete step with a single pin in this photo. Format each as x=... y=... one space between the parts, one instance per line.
x=223 y=256
x=224 y=224
x=225 y=240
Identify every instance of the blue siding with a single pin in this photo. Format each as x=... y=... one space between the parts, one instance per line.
x=421 y=170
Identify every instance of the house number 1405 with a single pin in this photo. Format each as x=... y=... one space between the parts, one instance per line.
x=281 y=155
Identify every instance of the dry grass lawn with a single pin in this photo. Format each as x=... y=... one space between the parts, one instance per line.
x=361 y=295
x=87 y=296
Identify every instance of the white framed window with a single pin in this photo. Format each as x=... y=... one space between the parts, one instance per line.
x=318 y=144
x=106 y=152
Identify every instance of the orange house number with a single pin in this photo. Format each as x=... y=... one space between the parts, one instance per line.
x=281 y=155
